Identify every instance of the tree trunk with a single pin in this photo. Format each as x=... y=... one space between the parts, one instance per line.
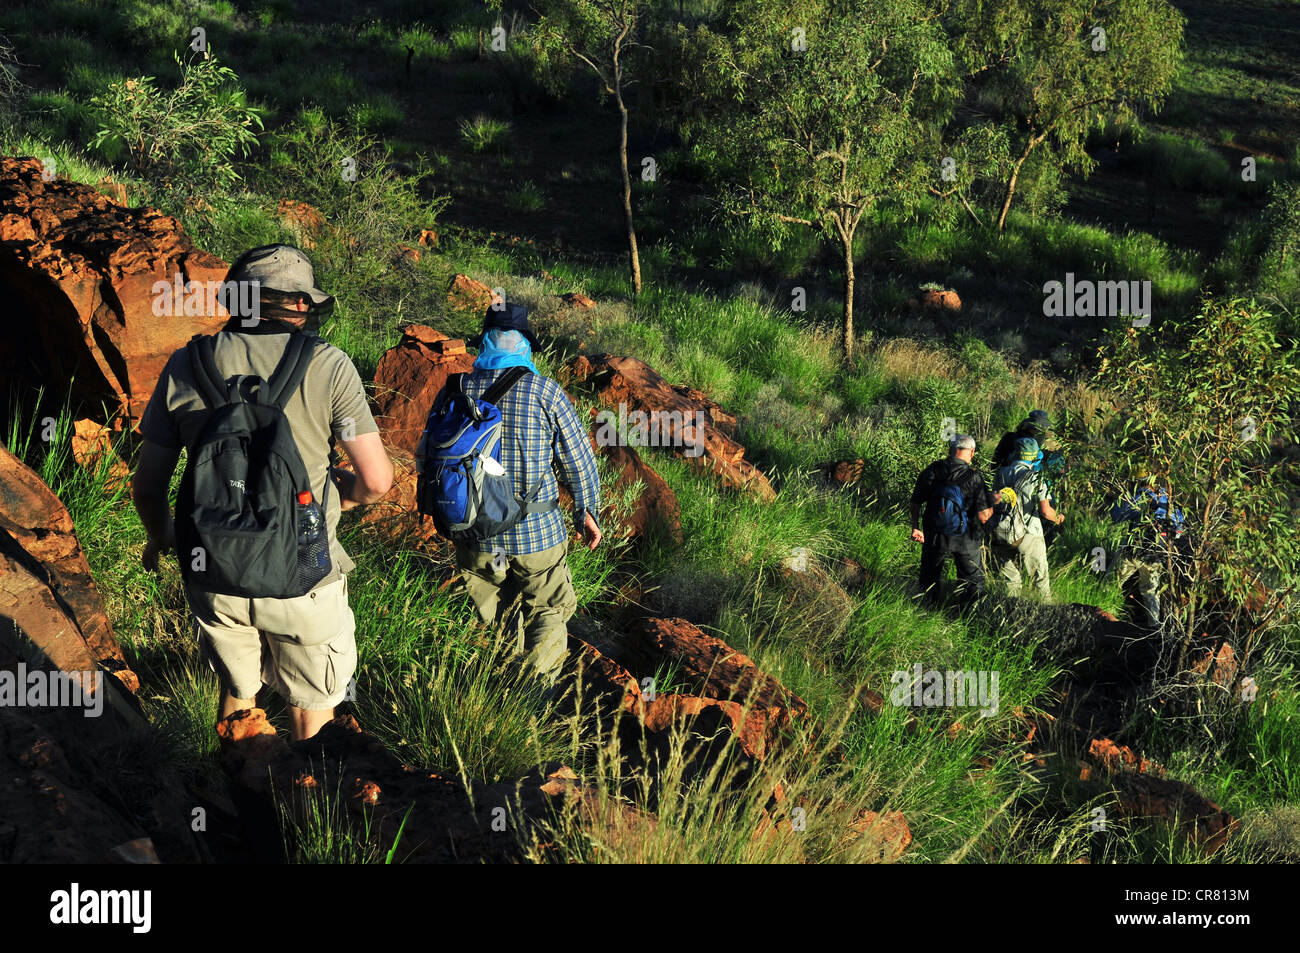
x=633 y=257
x=847 y=238
x=1011 y=185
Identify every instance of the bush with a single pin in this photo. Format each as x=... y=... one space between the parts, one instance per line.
x=484 y=134
x=187 y=137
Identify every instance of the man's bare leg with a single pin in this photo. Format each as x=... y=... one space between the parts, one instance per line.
x=229 y=704
x=304 y=724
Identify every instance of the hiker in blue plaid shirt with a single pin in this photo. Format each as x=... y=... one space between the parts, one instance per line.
x=540 y=429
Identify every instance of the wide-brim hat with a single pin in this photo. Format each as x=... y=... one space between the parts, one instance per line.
x=507 y=316
x=281 y=268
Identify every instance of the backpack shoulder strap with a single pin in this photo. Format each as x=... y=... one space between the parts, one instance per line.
x=206 y=374
x=504 y=383
x=292 y=368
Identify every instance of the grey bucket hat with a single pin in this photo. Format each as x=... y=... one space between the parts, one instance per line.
x=280 y=268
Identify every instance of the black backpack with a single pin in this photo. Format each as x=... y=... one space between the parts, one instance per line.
x=242 y=525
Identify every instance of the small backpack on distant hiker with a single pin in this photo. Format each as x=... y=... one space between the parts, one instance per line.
x=1010 y=521
x=246 y=521
x=946 y=513
x=461 y=483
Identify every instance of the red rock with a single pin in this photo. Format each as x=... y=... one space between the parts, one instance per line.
x=578 y=301
x=114 y=190
x=395 y=515
x=363 y=793
x=636 y=386
x=45 y=582
x=657 y=505
x=305 y=222
x=79 y=272
x=428 y=238
x=843 y=472
x=878 y=838
x=932 y=300
x=1219 y=666
x=409 y=377
x=466 y=294
x=408 y=253
x=91 y=442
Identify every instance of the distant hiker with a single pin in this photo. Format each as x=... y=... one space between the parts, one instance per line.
x=957 y=501
x=1016 y=529
x=258 y=406
x=1153 y=528
x=1037 y=427
x=503 y=513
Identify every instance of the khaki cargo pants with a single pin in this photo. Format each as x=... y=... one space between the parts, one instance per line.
x=1148 y=583
x=542 y=584
x=303 y=648
x=1033 y=549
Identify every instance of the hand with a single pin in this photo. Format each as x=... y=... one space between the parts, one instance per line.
x=918 y=536
x=591 y=533
x=153 y=548
x=1060 y=518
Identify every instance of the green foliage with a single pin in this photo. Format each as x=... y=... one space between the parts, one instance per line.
x=1279 y=263
x=1201 y=407
x=1047 y=74
x=484 y=134
x=816 y=111
x=187 y=137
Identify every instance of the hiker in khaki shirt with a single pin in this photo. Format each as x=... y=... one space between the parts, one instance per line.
x=304 y=648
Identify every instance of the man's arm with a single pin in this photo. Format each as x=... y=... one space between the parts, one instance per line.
x=914 y=509
x=153 y=477
x=577 y=468
x=371 y=476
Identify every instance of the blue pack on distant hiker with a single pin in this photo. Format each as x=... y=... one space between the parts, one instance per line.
x=946 y=514
x=461 y=483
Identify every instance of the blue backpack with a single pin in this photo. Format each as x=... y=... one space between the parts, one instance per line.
x=946 y=513
x=461 y=483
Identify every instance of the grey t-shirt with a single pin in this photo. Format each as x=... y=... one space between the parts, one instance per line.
x=330 y=401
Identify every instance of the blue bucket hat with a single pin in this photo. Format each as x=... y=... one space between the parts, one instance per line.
x=1027 y=451
x=511 y=317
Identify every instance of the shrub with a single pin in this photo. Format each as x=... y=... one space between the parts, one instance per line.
x=484 y=134
x=187 y=137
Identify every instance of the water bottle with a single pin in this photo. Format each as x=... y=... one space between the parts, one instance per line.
x=313 y=542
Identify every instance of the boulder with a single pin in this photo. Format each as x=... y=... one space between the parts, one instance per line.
x=936 y=300
x=408 y=378
x=92 y=444
x=842 y=473
x=875 y=837
x=446 y=822
x=1145 y=791
x=466 y=294
x=655 y=508
x=46 y=590
x=52 y=806
x=578 y=301
x=681 y=418
x=304 y=221
x=79 y=272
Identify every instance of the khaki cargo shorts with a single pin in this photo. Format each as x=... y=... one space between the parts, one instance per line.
x=303 y=648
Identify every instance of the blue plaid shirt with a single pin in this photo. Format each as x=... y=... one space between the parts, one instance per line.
x=541 y=428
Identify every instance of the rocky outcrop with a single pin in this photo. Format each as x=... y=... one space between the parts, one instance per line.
x=721 y=688
x=446 y=823
x=680 y=418
x=408 y=378
x=79 y=272
x=46 y=590
x=655 y=509
x=466 y=294
x=1144 y=791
